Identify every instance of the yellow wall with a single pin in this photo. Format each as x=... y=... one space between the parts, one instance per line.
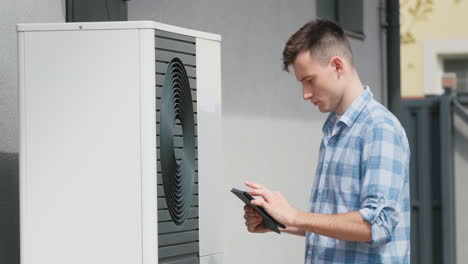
x=447 y=20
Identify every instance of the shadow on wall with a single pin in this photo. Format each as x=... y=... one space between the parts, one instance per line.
x=9 y=208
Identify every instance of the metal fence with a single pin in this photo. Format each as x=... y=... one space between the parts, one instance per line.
x=429 y=127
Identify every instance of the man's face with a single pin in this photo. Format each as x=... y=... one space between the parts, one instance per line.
x=320 y=83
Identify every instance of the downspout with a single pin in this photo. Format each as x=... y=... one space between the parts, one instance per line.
x=393 y=55
x=383 y=51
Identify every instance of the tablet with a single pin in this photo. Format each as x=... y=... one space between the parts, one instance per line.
x=268 y=221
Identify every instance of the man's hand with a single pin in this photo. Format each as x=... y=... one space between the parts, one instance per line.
x=274 y=203
x=254 y=221
x=348 y=226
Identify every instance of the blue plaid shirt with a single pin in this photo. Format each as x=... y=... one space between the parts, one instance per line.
x=363 y=166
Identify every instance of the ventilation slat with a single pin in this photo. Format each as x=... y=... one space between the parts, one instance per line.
x=174 y=36
x=176 y=159
x=175 y=51
x=194 y=105
x=177 y=130
x=160 y=177
x=161 y=67
x=162 y=55
x=165 y=252
x=177 y=238
x=171 y=227
x=159 y=93
x=161 y=191
x=178 y=142
x=160 y=81
x=175 y=45
x=195 y=117
x=163 y=205
x=196 y=168
x=163 y=214
x=181 y=259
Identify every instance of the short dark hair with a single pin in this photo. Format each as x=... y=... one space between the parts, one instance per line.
x=323 y=38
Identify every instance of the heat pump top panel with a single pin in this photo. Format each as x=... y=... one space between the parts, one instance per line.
x=117 y=25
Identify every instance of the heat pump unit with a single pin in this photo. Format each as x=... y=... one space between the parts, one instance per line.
x=120 y=144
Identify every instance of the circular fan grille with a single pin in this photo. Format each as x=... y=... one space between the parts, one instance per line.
x=177 y=141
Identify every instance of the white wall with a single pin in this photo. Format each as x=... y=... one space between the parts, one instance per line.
x=270 y=134
x=280 y=153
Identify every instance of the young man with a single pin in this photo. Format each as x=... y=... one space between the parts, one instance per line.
x=360 y=208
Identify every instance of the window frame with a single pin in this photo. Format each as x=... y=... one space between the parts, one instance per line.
x=335 y=17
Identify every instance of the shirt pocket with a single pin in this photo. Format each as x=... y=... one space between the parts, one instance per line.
x=346 y=181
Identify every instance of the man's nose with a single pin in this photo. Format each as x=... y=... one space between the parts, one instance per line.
x=307 y=93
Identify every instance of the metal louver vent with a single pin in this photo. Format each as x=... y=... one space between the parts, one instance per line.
x=177 y=151
x=177 y=162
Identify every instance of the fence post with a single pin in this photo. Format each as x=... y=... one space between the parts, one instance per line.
x=447 y=179
x=423 y=143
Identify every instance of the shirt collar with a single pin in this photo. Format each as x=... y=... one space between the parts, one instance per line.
x=352 y=113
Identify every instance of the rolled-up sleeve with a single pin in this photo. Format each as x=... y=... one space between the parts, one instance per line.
x=383 y=177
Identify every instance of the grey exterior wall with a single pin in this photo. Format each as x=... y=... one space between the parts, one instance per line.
x=9 y=208
x=11 y=13
x=254 y=33
x=270 y=134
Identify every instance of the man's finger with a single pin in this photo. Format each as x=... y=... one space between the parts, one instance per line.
x=246 y=216
x=254 y=185
x=253 y=220
x=250 y=228
x=259 y=201
x=252 y=224
x=265 y=193
x=252 y=214
x=248 y=209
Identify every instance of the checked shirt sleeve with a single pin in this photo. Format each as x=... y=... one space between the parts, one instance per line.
x=383 y=169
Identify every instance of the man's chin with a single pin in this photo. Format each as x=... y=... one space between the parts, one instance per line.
x=324 y=110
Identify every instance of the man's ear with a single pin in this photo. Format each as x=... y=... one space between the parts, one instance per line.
x=338 y=66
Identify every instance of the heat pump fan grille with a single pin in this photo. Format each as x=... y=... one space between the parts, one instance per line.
x=177 y=161
x=176 y=99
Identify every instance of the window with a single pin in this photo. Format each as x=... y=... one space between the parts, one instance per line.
x=96 y=10
x=444 y=55
x=459 y=66
x=347 y=13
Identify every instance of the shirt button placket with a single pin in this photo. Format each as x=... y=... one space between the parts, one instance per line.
x=326 y=159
